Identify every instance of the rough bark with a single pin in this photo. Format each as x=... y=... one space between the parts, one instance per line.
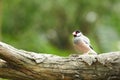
x=18 y=64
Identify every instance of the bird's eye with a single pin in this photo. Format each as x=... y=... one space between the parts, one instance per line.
x=77 y=31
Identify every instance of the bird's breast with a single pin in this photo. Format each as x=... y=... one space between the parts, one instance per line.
x=82 y=46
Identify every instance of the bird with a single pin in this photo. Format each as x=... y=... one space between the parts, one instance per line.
x=82 y=43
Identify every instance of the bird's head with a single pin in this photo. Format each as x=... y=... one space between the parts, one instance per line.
x=77 y=33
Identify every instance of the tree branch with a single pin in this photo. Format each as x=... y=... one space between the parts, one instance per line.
x=18 y=64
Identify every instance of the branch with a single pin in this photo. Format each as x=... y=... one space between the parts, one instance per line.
x=18 y=64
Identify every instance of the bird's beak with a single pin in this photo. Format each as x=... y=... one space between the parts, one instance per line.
x=74 y=33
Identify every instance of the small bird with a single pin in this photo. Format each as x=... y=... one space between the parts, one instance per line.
x=82 y=43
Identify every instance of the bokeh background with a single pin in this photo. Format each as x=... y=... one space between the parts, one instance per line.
x=46 y=26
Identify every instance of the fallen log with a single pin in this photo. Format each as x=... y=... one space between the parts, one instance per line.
x=19 y=64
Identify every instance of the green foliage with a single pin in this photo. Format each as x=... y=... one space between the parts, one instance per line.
x=46 y=25
x=3 y=79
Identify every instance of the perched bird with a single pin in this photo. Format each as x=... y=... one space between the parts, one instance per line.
x=82 y=43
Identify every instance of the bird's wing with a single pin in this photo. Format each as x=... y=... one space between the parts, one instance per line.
x=86 y=40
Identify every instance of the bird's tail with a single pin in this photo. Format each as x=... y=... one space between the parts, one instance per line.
x=92 y=52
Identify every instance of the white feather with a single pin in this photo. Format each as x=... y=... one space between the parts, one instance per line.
x=85 y=39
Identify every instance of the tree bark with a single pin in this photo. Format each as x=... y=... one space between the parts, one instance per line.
x=18 y=64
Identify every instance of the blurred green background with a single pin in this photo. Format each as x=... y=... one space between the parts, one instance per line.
x=46 y=26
